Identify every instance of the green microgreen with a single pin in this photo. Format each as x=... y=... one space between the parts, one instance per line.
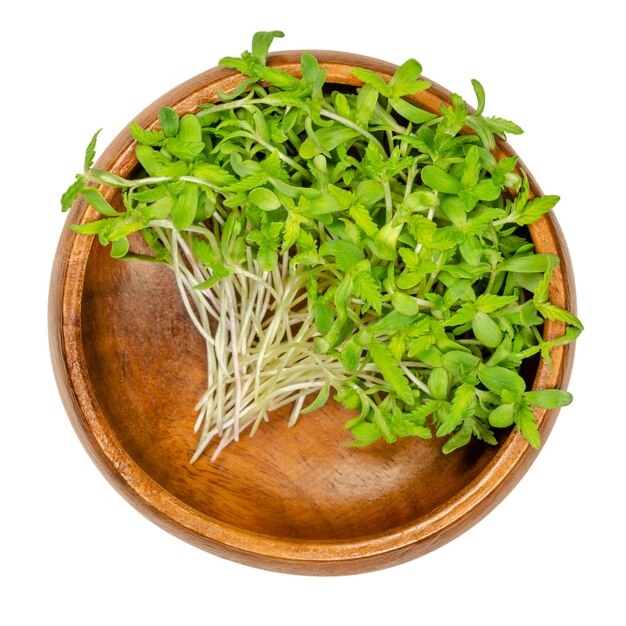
x=351 y=242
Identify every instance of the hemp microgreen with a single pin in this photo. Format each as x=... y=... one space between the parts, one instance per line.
x=343 y=241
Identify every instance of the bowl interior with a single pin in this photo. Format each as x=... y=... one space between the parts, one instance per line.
x=147 y=369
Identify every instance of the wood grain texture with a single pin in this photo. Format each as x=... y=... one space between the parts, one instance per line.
x=130 y=368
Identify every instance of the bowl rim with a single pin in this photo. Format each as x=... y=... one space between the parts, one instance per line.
x=365 y=553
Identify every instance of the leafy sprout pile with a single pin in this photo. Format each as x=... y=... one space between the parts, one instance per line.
x=346 y=242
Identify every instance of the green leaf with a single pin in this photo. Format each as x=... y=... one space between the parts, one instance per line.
x=486 y=330
x=411 y=112
x=488 y=302
x=367 y=288
x=112 y=180
x=328 y=138
x=406 y=79
x=531 y=263
x=168 y=119
x=119 y=248
x=553 y=312
x=262 y=41
x=264 y=198
x=157 y=164
x=371 y=78
x=472 y=168
x=366 y=100
x=97 y=201
x=548 y=398
x=459 y=439
x=89 y=228
x=185 y=150
x=405 y=304
x=351 y=356
x=72 y=193
x=320 y=400
x=440 y=180
x=391 y=322
x=184 y=211
x=90 y=152
x=189 y=129
x=471 y=250
x=526 y=423
x=479 y=90
x=392 y=373
x=534 y=209
x=363 y=219
x=324 y=316
x=346 y=253
x=438 y=383
x=147 y=137
x=365 y=433
x=369 y=192
x=459 y=363
x=499 y=379
x=499 y=125
x=267 y=258
x=486 y=190
x=462 y=407
x=503 y=416
x=213 y=173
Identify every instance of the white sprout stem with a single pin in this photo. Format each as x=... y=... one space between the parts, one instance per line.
x=258 y=332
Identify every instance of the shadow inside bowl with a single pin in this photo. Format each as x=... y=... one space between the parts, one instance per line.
x=147 y=366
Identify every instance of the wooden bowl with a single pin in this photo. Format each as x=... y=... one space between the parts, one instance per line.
x=130 y=367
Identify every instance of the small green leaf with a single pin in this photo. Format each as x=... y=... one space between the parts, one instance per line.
x=264 y=198
x=189 y=129
x=184 y=211
x=119 y=248
x=498 y=379
x=411 y=112
x=320 y=400
x=391 y=371
x=72 y=193
x=459 y=439
x=531 y=263
x=503 y=416
x=461 y=407
x=499 y=125
x=371 y=78
x=552 y=312
x=526 y=423
x=168 y=119
x=404 y=304
x=479 y=90
x=97 y=201
x=346 y=253
x=90 y=152
x=486 y=330
x=365 y=433
x=548 y=398
x=147 y=137
x=89 y=228
x=185 y=150
x=440 y=180
x=366 y=100
x=534 y=209
x=261 y=42
x=459 y=363
x=438 y=383
x=351 y=356
x=324 y=317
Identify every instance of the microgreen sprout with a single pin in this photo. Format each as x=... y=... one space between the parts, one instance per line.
x=346 y=243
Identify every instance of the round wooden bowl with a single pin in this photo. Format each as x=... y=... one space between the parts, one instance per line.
x=130 y=367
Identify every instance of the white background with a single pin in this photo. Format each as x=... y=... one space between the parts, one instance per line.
x=74 y=552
